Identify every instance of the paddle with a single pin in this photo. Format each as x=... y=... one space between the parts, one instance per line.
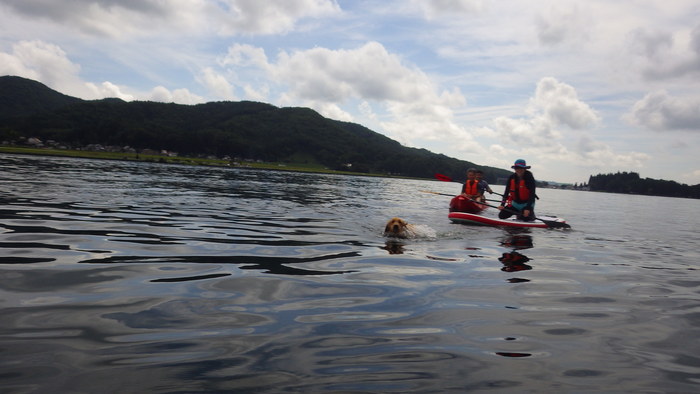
x=439 y=194
x=451 y=195
x=443 y=178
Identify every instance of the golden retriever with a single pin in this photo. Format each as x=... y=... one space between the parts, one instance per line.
x=399 y=228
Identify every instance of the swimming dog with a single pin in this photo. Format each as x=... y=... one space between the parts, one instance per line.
x=399 y=228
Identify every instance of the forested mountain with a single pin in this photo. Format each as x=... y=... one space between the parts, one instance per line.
x=20 y=96
x=631 y=182
x=244 y=129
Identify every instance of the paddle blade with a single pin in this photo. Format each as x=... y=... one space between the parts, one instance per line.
x=439 y=194
x=443 y=178
x=555 y=223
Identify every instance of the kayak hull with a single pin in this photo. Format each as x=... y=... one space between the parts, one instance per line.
x=463 y=204
x=479 y=220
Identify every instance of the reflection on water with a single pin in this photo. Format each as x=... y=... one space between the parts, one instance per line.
x=517 y=240
x=394 y=246
x=132 y=277
x=514 y=260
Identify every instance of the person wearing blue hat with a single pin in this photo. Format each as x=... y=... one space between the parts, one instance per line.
x=519 y=196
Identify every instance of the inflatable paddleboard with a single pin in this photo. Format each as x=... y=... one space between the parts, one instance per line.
x=473 y=219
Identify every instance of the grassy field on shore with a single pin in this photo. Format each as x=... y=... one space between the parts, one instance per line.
x=195 y=161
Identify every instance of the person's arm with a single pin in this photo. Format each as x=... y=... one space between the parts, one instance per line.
x=485 y=187
x=506 y=192
x=531 y=186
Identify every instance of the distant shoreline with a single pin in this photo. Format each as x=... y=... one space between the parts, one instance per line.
x=190 y=161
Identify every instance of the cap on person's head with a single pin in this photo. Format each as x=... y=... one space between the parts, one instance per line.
x=520 y=163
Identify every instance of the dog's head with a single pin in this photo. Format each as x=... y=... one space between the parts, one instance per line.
x=395 y=227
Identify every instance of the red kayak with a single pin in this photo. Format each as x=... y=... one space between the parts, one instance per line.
x=463 y=204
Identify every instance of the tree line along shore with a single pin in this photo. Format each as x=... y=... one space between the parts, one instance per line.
x=152 y=156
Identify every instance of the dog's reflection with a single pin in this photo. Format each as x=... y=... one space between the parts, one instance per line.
x=393 y=247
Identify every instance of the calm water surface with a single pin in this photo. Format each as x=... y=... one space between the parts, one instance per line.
x=123 y=277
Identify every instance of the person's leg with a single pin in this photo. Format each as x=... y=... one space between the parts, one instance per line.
x=528 y=218
x=505 y=213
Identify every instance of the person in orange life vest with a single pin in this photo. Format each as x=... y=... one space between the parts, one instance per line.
x=470 y=189
x=519 y=196
x=482 y=186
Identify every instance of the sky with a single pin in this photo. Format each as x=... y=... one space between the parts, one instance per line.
x=576 y=88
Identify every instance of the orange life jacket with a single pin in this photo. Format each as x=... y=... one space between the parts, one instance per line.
x=470 y=187
x=518 y=191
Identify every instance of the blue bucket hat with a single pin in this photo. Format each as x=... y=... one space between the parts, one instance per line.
x=520 y=163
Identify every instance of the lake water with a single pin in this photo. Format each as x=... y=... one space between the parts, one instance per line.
x=119 y=277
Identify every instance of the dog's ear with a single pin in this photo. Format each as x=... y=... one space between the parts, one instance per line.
x=387 y=228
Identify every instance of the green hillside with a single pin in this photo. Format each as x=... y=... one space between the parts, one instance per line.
x=247 y=130
x=20 y=96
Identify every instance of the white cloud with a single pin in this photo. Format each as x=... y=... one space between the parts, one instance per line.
x=184 y=96
x=692 y=177
x=179 y=96
x=120 y=19
x=12 y=65
x=653 y=45
x=662 y=112
x=260 y=93
x=555 y=104
x=50 y=65
x=435 y=9
x=370 y=73
x=333 y=111
x=552 y=115
x=366 y=110
x=242 y=55
x=161 y=94
x=217 y=84
x=498 y=150
x=108 y=89
x=327 y=79
x=251 y=61
x=44 y=62
x=562 y=24
x=666 y=55
x=101 y=17
x=534 y=131
x=270 y=16
x=559 y=103
x=598 y=154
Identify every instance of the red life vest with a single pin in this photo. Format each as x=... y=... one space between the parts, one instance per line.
x=518 y=191
x=470 y=187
